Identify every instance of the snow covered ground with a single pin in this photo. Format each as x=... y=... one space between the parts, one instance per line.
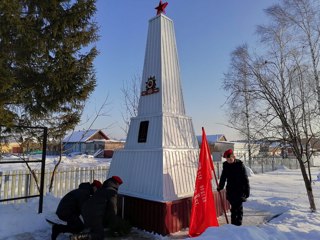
x=280 y=193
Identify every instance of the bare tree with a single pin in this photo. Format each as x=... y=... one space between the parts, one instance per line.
x=281 y=86
x=302 y=16
x=58 y=126
x=236 y=81
x=60 y=133
x=131 y=95
x=297 y=114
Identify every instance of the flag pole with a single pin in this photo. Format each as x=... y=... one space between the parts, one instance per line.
x=203 y=198
x=222 y=204
x=215 y=177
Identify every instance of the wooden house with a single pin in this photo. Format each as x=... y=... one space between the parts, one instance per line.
x=93 y=142
x=11 y=147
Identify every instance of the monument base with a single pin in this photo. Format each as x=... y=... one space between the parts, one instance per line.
x=161 y=217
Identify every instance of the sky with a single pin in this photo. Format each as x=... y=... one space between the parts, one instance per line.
x=207 y=31
x=280 y=194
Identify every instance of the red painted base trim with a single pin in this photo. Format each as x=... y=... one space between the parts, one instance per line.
x=162 y=218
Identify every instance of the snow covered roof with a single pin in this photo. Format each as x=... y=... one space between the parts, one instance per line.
x=82 y=135
x=213 y=138
x=279 y=145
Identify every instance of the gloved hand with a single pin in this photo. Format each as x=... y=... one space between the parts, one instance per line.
x=243 y=199
x=247 y=194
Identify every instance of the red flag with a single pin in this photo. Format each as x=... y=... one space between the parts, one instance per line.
x=203 y=212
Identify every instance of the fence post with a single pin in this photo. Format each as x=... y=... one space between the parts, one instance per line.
x=218 y=170
x=20 y=179
x=6 y=184
x=290 y=164
x=1 y=173
x=76 y=180
x=55 y=186
x=61 y=182
x=92 y=175
x=82 y=175
x=43 y=163
x=27 y=186
x=13 y=184
x=67 y=181
x=71 y=186
x=32 y=185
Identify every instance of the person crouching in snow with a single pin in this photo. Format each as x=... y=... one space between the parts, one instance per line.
x=102 y=205
x=69 y=208
x=238 y=188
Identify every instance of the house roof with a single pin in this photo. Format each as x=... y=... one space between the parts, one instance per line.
x=212 y=138
x=82 y=136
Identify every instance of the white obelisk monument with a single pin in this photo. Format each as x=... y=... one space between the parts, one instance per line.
x=159 y=162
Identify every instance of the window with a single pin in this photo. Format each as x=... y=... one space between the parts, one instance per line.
x=143 y=131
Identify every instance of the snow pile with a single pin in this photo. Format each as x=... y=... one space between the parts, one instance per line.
x=66 y=161
x=249 y=171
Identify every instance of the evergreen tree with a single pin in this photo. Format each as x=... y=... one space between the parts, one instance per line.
x=46 y=60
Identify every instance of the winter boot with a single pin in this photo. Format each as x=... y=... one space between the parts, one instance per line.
x=81 y=236
x=56 y=230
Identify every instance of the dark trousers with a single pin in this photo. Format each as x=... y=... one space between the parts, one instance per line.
x=96 y=227
x=97 y=232
x=74 y=225
x=236 y=212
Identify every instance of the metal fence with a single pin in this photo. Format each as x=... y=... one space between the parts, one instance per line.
x=15 y=184
x=268 y=164
x=263 y=164
x=18 y=132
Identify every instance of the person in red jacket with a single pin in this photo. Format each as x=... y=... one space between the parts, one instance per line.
x=238 y=188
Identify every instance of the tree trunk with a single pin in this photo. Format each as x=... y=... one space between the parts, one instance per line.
x=56 y=167
x=308 y=185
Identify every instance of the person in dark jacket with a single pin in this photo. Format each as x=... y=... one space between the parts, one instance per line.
x=101 y=206
x=69 y=208
x=238 y=188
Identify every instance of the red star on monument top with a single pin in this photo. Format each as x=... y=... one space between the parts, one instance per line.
x=161 y=7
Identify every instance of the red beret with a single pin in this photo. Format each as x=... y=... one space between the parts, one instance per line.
x=228 y=153
x=117 y=179
x=96 y=184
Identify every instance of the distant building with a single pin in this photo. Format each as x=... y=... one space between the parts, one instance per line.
x=10 y=146
x=278 y=148
x=213 y=138
x=94 y=142
x=218 y=145
x=241 y=149
x=18 y=145
x=314 y=144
